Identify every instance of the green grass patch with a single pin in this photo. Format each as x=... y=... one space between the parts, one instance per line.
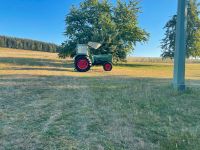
x=96 y=113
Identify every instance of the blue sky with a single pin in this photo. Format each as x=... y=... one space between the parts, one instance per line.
x=44 y=20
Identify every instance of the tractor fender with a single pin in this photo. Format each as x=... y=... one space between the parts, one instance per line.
x=78 y=56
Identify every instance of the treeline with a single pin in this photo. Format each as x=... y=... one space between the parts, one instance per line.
x=27 y=44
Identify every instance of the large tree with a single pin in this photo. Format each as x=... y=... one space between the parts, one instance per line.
x=114 y=26
x=193 y=33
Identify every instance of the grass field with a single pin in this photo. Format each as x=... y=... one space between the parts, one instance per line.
x=45 y=104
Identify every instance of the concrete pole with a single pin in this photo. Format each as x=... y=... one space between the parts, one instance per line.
x=180 y=51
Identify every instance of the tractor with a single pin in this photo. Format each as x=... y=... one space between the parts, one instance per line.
x=84 y=60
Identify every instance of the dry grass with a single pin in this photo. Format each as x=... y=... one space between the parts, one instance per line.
x=45 y=104
x=48 y=64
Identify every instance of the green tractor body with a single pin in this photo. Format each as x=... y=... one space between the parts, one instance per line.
x=84 y=60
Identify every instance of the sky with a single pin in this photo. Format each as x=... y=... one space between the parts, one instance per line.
x=44 y=20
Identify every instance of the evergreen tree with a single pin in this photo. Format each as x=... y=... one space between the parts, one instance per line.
x=11 y=42
x=193 y=33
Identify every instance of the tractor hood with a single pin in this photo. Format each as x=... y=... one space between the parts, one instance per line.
x=94 y=45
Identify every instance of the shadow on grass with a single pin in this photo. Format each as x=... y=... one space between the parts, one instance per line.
x=36 y=62
x=143 y=65
x=135 y=65
x=42 y=69
x=116 y=78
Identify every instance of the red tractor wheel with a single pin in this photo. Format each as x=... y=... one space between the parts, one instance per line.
x=82 y=64
x=107 y=66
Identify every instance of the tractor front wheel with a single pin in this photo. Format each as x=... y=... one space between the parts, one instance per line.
x=82 y=64
x=107 y=66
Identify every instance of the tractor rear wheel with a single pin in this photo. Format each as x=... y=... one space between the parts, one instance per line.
x=82 y=64
x=107 y=66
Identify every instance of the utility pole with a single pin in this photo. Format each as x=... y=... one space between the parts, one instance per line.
x=180 y=51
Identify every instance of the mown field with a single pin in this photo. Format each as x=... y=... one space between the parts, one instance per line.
x=45 y=104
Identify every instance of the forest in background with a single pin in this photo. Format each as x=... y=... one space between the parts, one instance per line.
x=27 y=44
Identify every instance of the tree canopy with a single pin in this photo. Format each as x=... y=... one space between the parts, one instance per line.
x=193 y=33
x=114 y=26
